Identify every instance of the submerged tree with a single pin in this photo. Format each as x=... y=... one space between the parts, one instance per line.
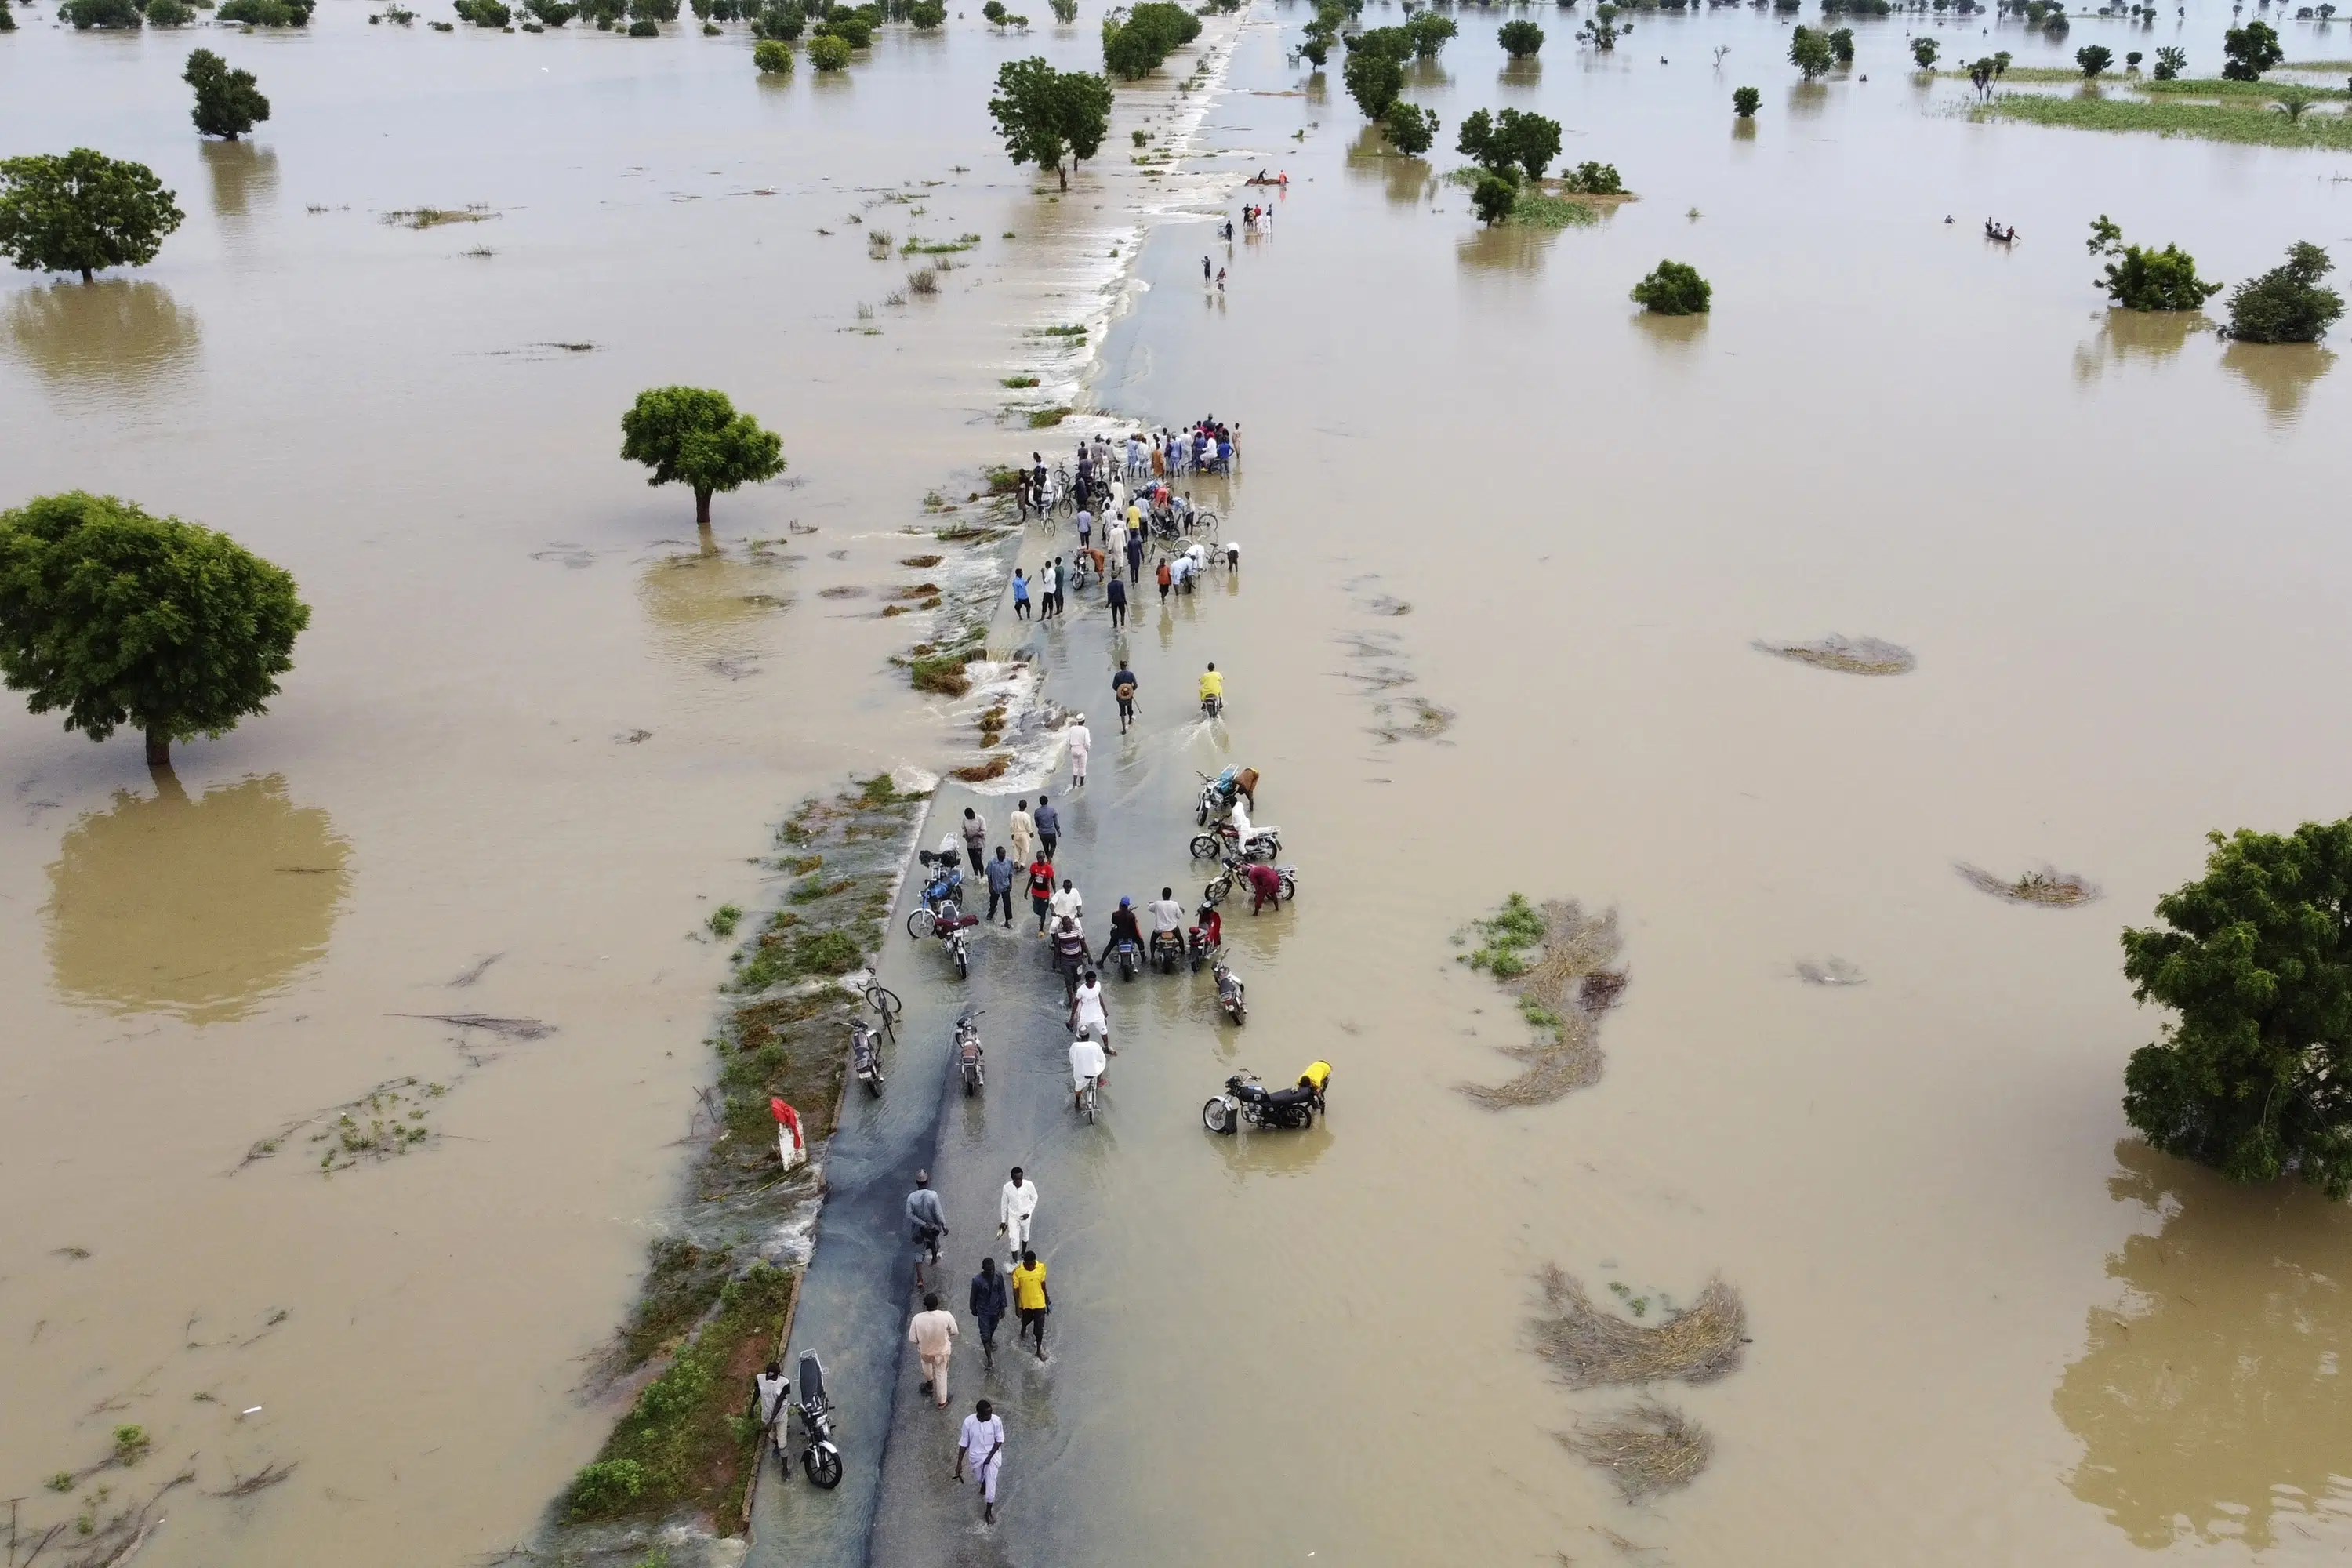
x=1496 y=196
x=2093 y=59
x=689 y=436
x=1375 y=79
x=2249 y=51
x=1046 y=115
x=117 y=617
x=228 y=102
x=1409 y=128
x=1510 y=143
x=1151 y=32
x=1841 y=45
x=1810 y=52
x=2253 y=1075
x=2142 y=278
x=80 y=211
x=1521 y=39
x=1746 y=101
x=1674 y=288
x=1429 y=33
x=2288 y=304
x=1925 y=52
x=2170 y=63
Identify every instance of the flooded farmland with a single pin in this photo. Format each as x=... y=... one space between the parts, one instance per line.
x=538 y=732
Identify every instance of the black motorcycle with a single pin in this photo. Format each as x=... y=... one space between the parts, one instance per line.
x=1129 y=957
x=968 y=1056
x=1167 y=951
x=1246 y=1099
x=811 y=1410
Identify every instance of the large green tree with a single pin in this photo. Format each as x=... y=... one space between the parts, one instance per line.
x=118 y=618
x=2253 y=1075
x=693 y=437
x=2249 y=50
x=79 y=211
x=1509 y=142
x=1374 y=78
x=1047 y=116
x=1811 y=52
x=228 y=102
x=2288 y=304
x=2142 y=277
x=1151 y=32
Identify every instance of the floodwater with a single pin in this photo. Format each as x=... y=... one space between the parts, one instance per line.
x=1987 y=1325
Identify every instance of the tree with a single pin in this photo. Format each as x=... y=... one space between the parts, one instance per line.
x=1520 y=40
x=830 y=53
x=1374 y=79
x=1746 y=101
x=2249 y=51
x=1046 y=115
x=117 y=617
x=2253 y=1075
x=2170 y=63
x=1152 y=31
x=2293 y=101
x=2288 y=304
x=927 y=16
x=228 y=102
x=1429 y=33
x=2093 y=59
x=1673 y=289
x=2147 y=279
x=689 y=436
x=1924 y=52
x=81 y=211
x=1810 y=52
x=108 y=15
x=772 y=57
x=1590 y=179
x=1408 y=128
x=1601 y=31
x=1494 y=197
x=1509 y=143
x=1841 y=45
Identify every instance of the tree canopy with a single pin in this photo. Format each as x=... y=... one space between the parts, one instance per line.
x=2093 y=58
x=1428 y=33
x=2249 y=50
x=1046 y=115
x=117 y=617
x=80 y=211
x=2253 y=1075
x=1152 y=31
x=2288 y=304
x=1810 y=52
x=1746 y=101
x=1510 y=140
x=693 y=437
x=1521 y=39
x=1409 y=128
x=109 y=15
x=2146 y=279
x=1375 y=79
x=1924 y=52
x=1674 y=288
x=228 y=102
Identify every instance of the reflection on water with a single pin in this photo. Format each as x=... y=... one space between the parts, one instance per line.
x=1369 y=158
x=1526 y=72
x=705 y=606
x=2213 y=1405
x=2282 y=373
x=119 y=336
x=1743 y=127
x=1678 y=336
x=1807 y=99
x=201 y=907
x=1258 y=1153
x=1506 y=247
x=2149 y=336
x=242 y=175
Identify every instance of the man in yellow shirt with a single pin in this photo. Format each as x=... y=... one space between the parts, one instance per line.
x=1030 y=1299
x=1212 y=686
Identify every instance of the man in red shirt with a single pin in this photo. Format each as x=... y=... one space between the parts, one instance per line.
x=1266 y=886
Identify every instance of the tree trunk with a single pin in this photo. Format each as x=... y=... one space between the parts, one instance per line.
x=159 y=749
x=1061 y=174
x=88 y=276
x=702 y=506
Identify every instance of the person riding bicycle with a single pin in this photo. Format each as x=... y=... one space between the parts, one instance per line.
x=1122 y=929
x=1167 y=919
x=1087 y=1063
x=1213 y=685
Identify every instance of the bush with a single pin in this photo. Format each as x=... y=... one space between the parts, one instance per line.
x=1673 y=289
x=1924 y=52
x=780 y=19
x=1811 y=52
x=1519 y=39
x=1596 y=180
x=927 y=14
x=2170 y=63
x=163 y=13
x=644 y=28
x=1374 y=79
x=267 y=13
x=772 y=57
x=605 y=1487
x=851 y=29
x=1509 y=143
x=2287 y=304
x=830 y=53
x=2093 y=59
x=1494 y=196
x=1151 y=32
x=2149 y=280
x=1408 y=128
x=1745 y=101
x=107 y=15
x=2249 y=50
x=483 y=13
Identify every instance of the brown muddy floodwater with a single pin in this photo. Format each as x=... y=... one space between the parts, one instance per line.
x=537 y=732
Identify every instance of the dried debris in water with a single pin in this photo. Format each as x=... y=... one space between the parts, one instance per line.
x=1854 y=655
x=1559 y=962
x=1647 y=1448
x=1413 y=719
x=504 y=1028
x=2048 y=887
x=261 y=1481
x=1591 y=1347
x=1828 y=972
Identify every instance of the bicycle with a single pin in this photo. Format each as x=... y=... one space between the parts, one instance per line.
x=884 y=1001
x=1087 y=1100
x=1206 y=521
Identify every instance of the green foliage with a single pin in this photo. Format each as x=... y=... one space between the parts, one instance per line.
x=2288 y=304
x=927 y=15
x=118 y=617
x=1428 y=33
x=1064 y=11
x=1536 y=210
x=693 y=437
x=724 y=919
x=553 y=12
x=1374 y=78
x=1841 y=45
x=1507 y=937
x=1746 y=101
x=830 y=52
x=488 y=14
x=267 y=13
x=2253 y=1075
x=80 y=211
x=1673 y=289
x=9 y=21
x=228 y=102
x=1509 y=142
x=1810 y=52
x=2170 y=63
x=111 y=15
x=131 y=1445
x=1494 y=196
x=1046 y=115
x=607 y=1486
x=850 y=28
x=1521 y=39
x=2242 y=122
x=772 y=57
x=2292 y=100
x=2093 y=59
x=1595 y=180
x=159 y=14
x=1924 y=52
x=1317 y=51
x=1152 y=31
x=2249 y=50
x=1408 y=128
x=780 y=19
x=2147 y=279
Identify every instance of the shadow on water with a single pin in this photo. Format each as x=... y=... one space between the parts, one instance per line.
x=243 y=176
x=1807 y=99
x=1370 y=160
x=203 y=906
x=2210 y=1405
x=2149 y=337
x=2281 y=373
x=119 y=337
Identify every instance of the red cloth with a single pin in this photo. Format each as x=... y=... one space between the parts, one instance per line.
x=787 y=1117
x=1265 y=880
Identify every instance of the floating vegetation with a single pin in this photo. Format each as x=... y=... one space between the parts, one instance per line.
x=434 y=218
x=1539 y=211
x=504 y=1028
x=2248 y=121
x=1854 y=655
x=920 y=563
x=1828 y=972
x=261 y=1481
x=1018 y=382
x=1383 y=605
x=1590 y=1346
x=1548 y=958
x=1647 y=1448
x=1413 y=719
x=1046 y=418
x=2049 y=887
x=844 y=591
x=980 y=773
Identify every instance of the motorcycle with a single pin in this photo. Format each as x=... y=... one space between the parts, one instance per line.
x=1129 y=957
x=1263 y=843
x=1246 y=1099
x=967 y=1054
x=949 y=928
x=865 y=1058
x=1198 y=949
x=812 y=1411
x=940 y=894
x=1214 y=893
x=1230 y=998
x=1167 y=951
x=1212 y=707
x=1217 y=794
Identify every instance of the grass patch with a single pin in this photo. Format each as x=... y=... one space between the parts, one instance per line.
x=2222 y=87
x=1069 y=331
x=1509 y=936
x=940 y=672
x=938 y=247
x=1002 y=481
x=980 y=773
x=1018 y=382
x=434 y=218
x=683 y=1282
x=1046 y=418
x=1559 y=966
x=2245 y=123
x=723 y=920
x=1553 y=212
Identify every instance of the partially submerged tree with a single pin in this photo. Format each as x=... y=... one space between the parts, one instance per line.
x=1841 y=45
x=1375 y=79
x=1509 y=143
x=1924 y=52
x=109 y=14
x=1746 y=101
x=1495 y=196
x=2093 y=58
x=830 y=53
x=1429 y=33
x=1152 y=31
x=81 y=211
x=2249 y=51
x=1046 y=115
x=2170 y=63
x=1409 y=128
x=1521 y=39
x=1674 y=288
x=772 y=57
x=1810 y=52
x=693 y=437
x=2288 y=304
x=116 y=617
x=228 y=102
x=2144 y=278
x=2253 y=1075
x=1601 y=31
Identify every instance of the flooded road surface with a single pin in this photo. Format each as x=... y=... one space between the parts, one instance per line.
x=1506 y=545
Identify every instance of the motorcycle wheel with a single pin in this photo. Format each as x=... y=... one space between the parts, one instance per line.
x=1216 y=1117
x=874 y=1086
x=963 y=962
x=920 y=923
x=1204 y=846
x=1240 y=1013
x=1214 y=893
x=1200 y=814
x=1289 y=889
x=824 y=1465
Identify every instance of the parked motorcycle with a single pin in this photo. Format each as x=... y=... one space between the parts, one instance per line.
x=811 y=1410
x=950 y=928
x=968 y=1056
x=1215 y=892
x=1198 y=949
x=1128 y=956
x=1263 y=843
x=1246 y=1099
x=1230 y=998
x=942 y=899
x=866 y=1058
x=1217 y=794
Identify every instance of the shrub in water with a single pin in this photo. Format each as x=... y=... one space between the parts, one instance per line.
x=1673 y=289
x=772 y=57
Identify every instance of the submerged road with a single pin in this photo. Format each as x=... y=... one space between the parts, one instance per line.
x=1124 y=834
